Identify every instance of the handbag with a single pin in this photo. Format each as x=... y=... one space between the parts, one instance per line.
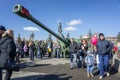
x=12 y=65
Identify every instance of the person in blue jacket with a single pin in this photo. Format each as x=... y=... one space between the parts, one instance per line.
x=103 y=49
x=89 y=60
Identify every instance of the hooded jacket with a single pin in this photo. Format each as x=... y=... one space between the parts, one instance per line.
x=7 y=49
x=103 y=46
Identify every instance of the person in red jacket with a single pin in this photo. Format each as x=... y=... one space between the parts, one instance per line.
x=115 y=48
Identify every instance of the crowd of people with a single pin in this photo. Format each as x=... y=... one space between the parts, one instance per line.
x=37 y=49
x=85 y=56
x=81 y=54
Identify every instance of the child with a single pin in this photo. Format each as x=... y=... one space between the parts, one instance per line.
x=89 y=60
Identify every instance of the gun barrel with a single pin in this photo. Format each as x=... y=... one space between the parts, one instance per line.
x=23 y=12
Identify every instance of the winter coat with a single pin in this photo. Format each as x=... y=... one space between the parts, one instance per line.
x=103 y=47
x=25 y=48
x=84 y=51
x=85 y=48
x=7 y=49
x=74 y=47
x=89 y=60
x=32 y=48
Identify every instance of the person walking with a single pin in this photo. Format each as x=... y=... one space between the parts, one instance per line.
x=7 y=50
x=31 y=50
x=2 y=30
x=103 y=49
x=25 y=48
x=50 y=48
x=89 y=60
x=73 y=53
x=80 y=53
x=39 y=50
x=22 y=46
x=18 y=50
x=58 y=49
x=84 y=49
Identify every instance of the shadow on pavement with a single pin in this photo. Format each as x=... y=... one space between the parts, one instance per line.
x=31 y=64
x=112 y=71
x=45 y=77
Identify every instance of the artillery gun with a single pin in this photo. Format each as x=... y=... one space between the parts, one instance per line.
x=23 y=12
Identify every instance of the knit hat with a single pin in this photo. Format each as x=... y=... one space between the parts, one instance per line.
x=2 y=28
x=101 y=34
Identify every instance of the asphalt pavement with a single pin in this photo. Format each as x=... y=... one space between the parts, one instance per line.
x=55 y=69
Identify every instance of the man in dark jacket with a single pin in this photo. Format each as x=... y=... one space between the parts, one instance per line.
x=73 y=53
x=2 y=30
x=103 y=50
